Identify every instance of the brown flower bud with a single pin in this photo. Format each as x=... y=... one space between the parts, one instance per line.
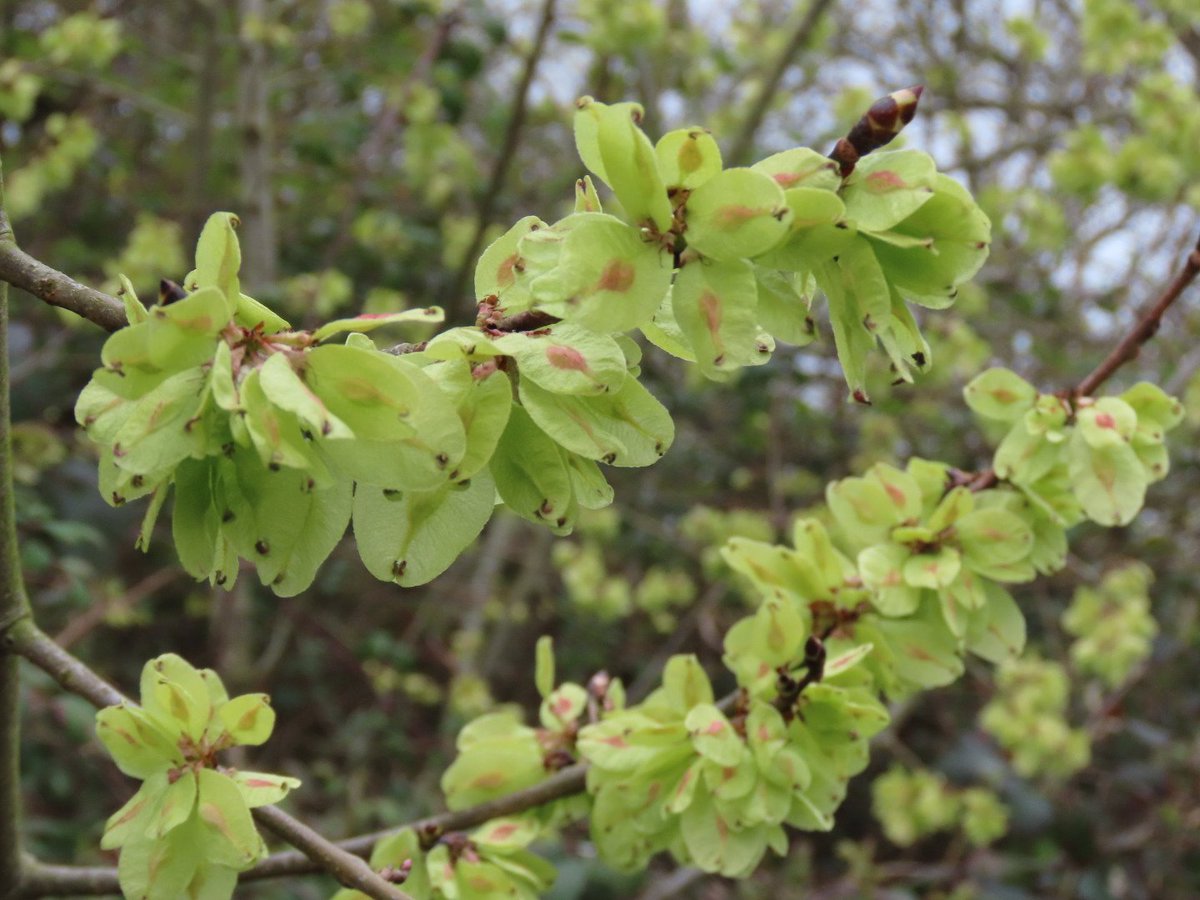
x=879 y=125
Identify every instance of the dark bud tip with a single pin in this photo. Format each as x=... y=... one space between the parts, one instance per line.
x=396 y=874
x=883 y=121
x=884 y=114
x=170 y=292
x=891 y=113
x=598 y=684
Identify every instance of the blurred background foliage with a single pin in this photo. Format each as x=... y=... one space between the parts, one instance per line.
x=372 y=147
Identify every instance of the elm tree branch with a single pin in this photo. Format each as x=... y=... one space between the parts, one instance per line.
x=567 y=783
x=43 y=880
x=25 y=639
x=1147 y=326
x=14 y=608
x=40 y=879
x=350 y=870
x=22 y=271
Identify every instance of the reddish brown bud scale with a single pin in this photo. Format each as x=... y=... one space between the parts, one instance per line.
x=884 y=120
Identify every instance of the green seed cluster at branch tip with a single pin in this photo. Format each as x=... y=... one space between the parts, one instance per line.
x=188 y=830
x=1077 y=457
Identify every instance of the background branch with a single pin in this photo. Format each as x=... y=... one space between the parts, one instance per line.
x=260 y=237
x=1146 y=327
x=39 y=879
x=744 y=142
x=508 y=148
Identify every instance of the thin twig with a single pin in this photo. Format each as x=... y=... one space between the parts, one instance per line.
x=81 y=625
x=567 y=783
x=40 y=879
x=351 y=871
x=770 y=87
x=22 y=271
x=508 y=149
x=1146 y=327
x=27 y=640
x=984 y=480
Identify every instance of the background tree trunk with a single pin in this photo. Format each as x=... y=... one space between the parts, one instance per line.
x=259 y=238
